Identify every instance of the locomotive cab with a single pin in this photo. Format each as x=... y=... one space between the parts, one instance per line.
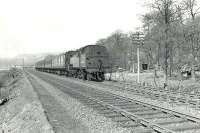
x=96 y=61
x=90 y=62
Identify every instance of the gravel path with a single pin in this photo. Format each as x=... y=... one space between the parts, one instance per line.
x=83 y=119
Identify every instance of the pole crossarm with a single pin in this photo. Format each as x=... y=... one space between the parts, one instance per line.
x=137 y=38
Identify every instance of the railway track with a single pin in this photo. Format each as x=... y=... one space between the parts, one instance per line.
x=166 y=95
x=129 y=113
x=177 y=97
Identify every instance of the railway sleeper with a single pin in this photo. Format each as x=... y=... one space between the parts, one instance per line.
x=124 y=104
x=109 y=99
x=193 y=102
x=136 y=107
x=185 y=127
x=129 y=124
x=150 y=112
x=106 y=112
x=133 y=109
x=171 y=121
x=121 y=119
x=119 y=103
x=142 y=131
x=114 y=115
x=157 y=116
x=102 y=108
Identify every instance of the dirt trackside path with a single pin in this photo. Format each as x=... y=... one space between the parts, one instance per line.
x=23 y=112
x=55 y=112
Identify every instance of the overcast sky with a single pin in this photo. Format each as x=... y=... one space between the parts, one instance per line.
x=37 y=26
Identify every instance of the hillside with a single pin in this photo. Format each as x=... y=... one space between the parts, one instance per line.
x=29 y=59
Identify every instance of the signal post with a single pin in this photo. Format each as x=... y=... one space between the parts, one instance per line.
x=138 y=39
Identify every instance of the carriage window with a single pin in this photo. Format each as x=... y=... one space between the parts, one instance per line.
x=98 y=52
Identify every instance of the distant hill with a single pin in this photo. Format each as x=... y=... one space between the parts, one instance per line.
x=29 y=59
x=5 y=62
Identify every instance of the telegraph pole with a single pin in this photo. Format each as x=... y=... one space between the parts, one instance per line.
x=138 y=59
x=138 y=39
x=132 y=50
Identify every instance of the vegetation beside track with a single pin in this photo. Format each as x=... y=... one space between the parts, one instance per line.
x=7 y=80
x=20 y=109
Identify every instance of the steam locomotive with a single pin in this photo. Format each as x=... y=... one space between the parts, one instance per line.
x=89 y=63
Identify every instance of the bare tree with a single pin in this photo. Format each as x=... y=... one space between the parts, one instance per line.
x=192 y=32
x=120 y=47
x=192 y=8
x=164 y=15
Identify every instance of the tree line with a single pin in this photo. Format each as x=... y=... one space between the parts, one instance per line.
x=171 y=38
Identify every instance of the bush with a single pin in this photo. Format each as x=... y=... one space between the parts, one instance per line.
x=8 y=78
x=4 y=91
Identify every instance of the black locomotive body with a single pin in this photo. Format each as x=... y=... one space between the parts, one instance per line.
x=89 y=62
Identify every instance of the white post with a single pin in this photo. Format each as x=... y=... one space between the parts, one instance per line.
x=138 y=59
x=23 y=63
x=133 y=69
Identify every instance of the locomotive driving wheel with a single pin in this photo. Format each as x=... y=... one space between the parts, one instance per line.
x=84 y=75
x=89 y=77
x=100 y=76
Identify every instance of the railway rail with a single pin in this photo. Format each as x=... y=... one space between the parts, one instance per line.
x=177 y=97
x=167 y=95
x=142 y=117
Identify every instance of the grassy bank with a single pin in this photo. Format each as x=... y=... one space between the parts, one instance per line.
x=20 y=109
x=7 y=78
